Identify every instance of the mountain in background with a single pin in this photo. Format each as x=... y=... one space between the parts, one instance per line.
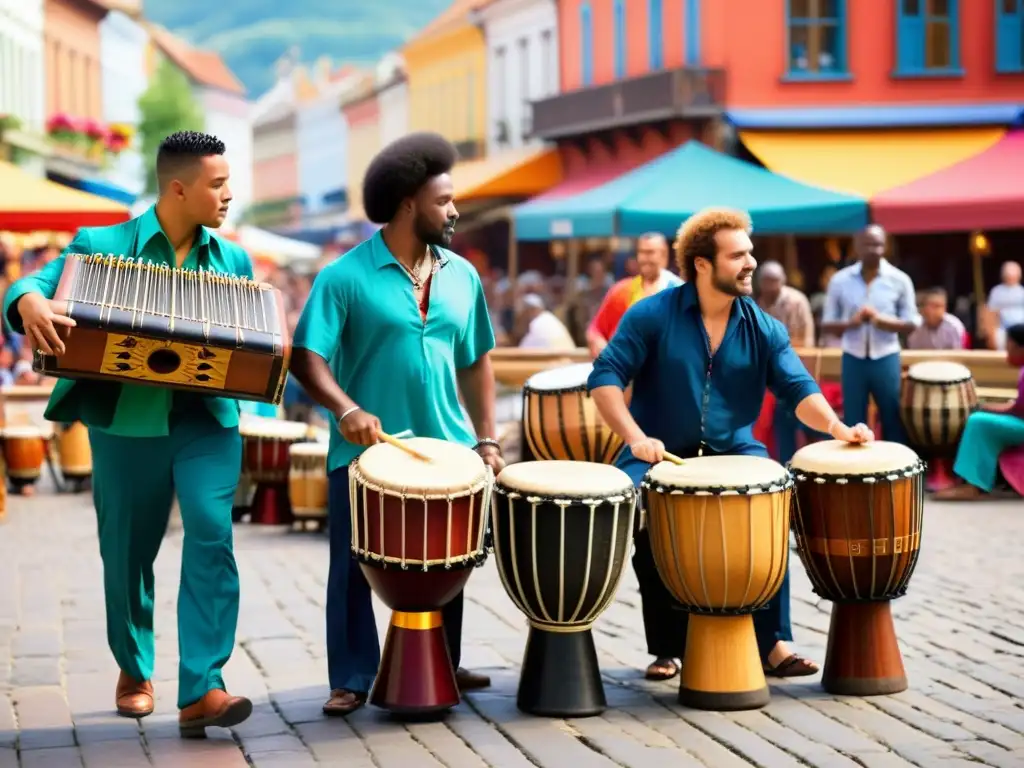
x=252 y=35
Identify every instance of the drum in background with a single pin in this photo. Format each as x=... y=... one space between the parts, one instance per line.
x=562 y=532
x=418 y=530
x=561 y=421
x=719 y=528
x=935 y=401
x=25 y=450
x=74 y=455
x=307 y=483
x=857 y=519
x=265 y=444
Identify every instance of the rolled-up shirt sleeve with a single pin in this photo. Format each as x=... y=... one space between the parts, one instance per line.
x=788 y=378
x=906 y=303
x=626 y=353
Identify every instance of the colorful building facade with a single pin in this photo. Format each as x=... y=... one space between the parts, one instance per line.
x=446 y=67
x=393 y=98
x=22 y=80
x=362 y=112
x=72 y=59
x=123 y=49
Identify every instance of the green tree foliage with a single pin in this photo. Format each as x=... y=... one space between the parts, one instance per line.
x=168 y=105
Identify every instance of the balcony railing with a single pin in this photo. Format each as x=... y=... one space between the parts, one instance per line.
x=674 y=93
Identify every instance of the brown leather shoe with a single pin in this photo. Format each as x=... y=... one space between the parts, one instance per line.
x=132 y=698
x=217 y=708
x=471 y=681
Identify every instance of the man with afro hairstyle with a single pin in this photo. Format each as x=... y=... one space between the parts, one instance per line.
x=700 y=357
x=150 y=444
x=392 y=332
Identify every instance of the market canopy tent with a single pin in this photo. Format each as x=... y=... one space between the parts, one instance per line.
x=658 y=196
x=28 y=203
x=698 y=177
x=983 y=192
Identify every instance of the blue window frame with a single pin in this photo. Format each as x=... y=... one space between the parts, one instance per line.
x=692 y=28
x=928 y=37
x=816 y=39
x=1009 y=35
x=654 y=35
x=619 y=27
x=586 y=45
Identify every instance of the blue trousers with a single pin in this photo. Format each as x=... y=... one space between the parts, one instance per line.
x=134 y=483
x=879 y=379
x=353 y=649
x=986 y=435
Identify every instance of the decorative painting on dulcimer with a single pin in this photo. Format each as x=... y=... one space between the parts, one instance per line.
x=177 y=328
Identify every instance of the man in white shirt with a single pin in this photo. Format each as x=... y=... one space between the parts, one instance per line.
x=1006 y=301
x=544 y=330
x=869 y=304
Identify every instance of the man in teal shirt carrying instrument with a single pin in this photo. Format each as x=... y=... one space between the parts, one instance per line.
x=392 y=332
x=150 y=443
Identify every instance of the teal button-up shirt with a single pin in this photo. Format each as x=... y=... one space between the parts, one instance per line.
x=128 y=410
x=362 y=317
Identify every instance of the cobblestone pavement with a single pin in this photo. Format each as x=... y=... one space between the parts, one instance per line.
x=961 y=628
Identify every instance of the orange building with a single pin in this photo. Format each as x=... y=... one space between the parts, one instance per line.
x=71 y=57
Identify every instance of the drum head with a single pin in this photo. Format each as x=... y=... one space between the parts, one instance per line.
x=308 y=449
x=453 y=468
x=272 y=429
x=565 y=479
x=26 y=431
x=939 y=372
x=718 y=474
x=834 y=457
x=567 y=377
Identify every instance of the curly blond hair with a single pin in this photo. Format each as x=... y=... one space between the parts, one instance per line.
x=696 y=236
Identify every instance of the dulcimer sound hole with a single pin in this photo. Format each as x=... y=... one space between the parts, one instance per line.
x=164 y=361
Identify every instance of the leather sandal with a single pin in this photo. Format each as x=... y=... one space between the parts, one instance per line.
x=793 y=665
x=343 y=702
x=662 y=669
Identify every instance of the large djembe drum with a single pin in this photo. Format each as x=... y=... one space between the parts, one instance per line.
x=560 y=420
x=418 y=531
x=857 y=518
x=25 y=448
x=562 y=532
x=307 y=483
x=719 y=528
x=936 y=398
x=74 y=455
x=266 y=462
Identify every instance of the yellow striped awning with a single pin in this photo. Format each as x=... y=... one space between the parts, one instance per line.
x=522 y=173
x=866 y=162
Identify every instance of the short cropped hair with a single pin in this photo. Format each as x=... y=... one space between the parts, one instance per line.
x=696 y=237
x=1016 y=334
x=934 y=293
x=401 y=169
x=181 y=152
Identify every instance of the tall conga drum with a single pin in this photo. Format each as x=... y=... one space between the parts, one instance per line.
x=562 y=532
x=418 y=531
x=307 y=483
x=936 y=398
x=560 y=420
x=719 y=528
x=265 y=459
x=25 y=449
x=857 y=519
x=74 y=454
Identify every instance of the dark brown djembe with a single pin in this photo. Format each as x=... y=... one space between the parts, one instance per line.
x=857 y=514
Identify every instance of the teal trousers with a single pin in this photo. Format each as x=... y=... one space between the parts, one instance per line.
x=134 y=483
x=985 y=436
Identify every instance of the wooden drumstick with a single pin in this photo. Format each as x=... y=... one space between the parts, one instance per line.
x=672 y=457
x=402 y=446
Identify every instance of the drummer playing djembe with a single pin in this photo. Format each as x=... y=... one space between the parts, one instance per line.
x=390 y=334
x=700 y=357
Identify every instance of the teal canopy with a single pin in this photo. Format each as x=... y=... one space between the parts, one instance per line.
x=658 y=196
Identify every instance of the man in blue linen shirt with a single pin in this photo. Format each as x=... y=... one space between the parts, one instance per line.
x=391 y=334
x=700 y=357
